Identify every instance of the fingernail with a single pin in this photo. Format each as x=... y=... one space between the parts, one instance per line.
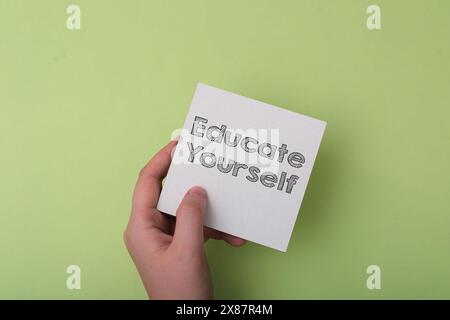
x=198 y=191
x=176 y=138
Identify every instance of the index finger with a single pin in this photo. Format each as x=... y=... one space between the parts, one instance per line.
x=148 y=186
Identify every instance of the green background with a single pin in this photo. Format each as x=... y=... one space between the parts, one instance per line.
x=82 y=111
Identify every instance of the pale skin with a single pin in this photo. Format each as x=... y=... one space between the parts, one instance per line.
x=169 y=252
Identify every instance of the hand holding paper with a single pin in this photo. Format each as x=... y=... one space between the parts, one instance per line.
x=254 y=160
x=169 y=254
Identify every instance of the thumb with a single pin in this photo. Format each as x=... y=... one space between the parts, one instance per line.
x=189 y=222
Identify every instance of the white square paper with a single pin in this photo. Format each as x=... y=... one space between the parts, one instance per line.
x=258 y=199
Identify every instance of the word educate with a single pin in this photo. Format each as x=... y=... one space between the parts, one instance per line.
x=247 y=144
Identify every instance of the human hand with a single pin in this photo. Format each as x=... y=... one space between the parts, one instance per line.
x=169 y=252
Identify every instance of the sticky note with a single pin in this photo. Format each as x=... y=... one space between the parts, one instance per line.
x=253 y=159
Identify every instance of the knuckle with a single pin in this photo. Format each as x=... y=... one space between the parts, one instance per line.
x=142 y=172
x=189 y=206
x=147 y=172
x=128 y=238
